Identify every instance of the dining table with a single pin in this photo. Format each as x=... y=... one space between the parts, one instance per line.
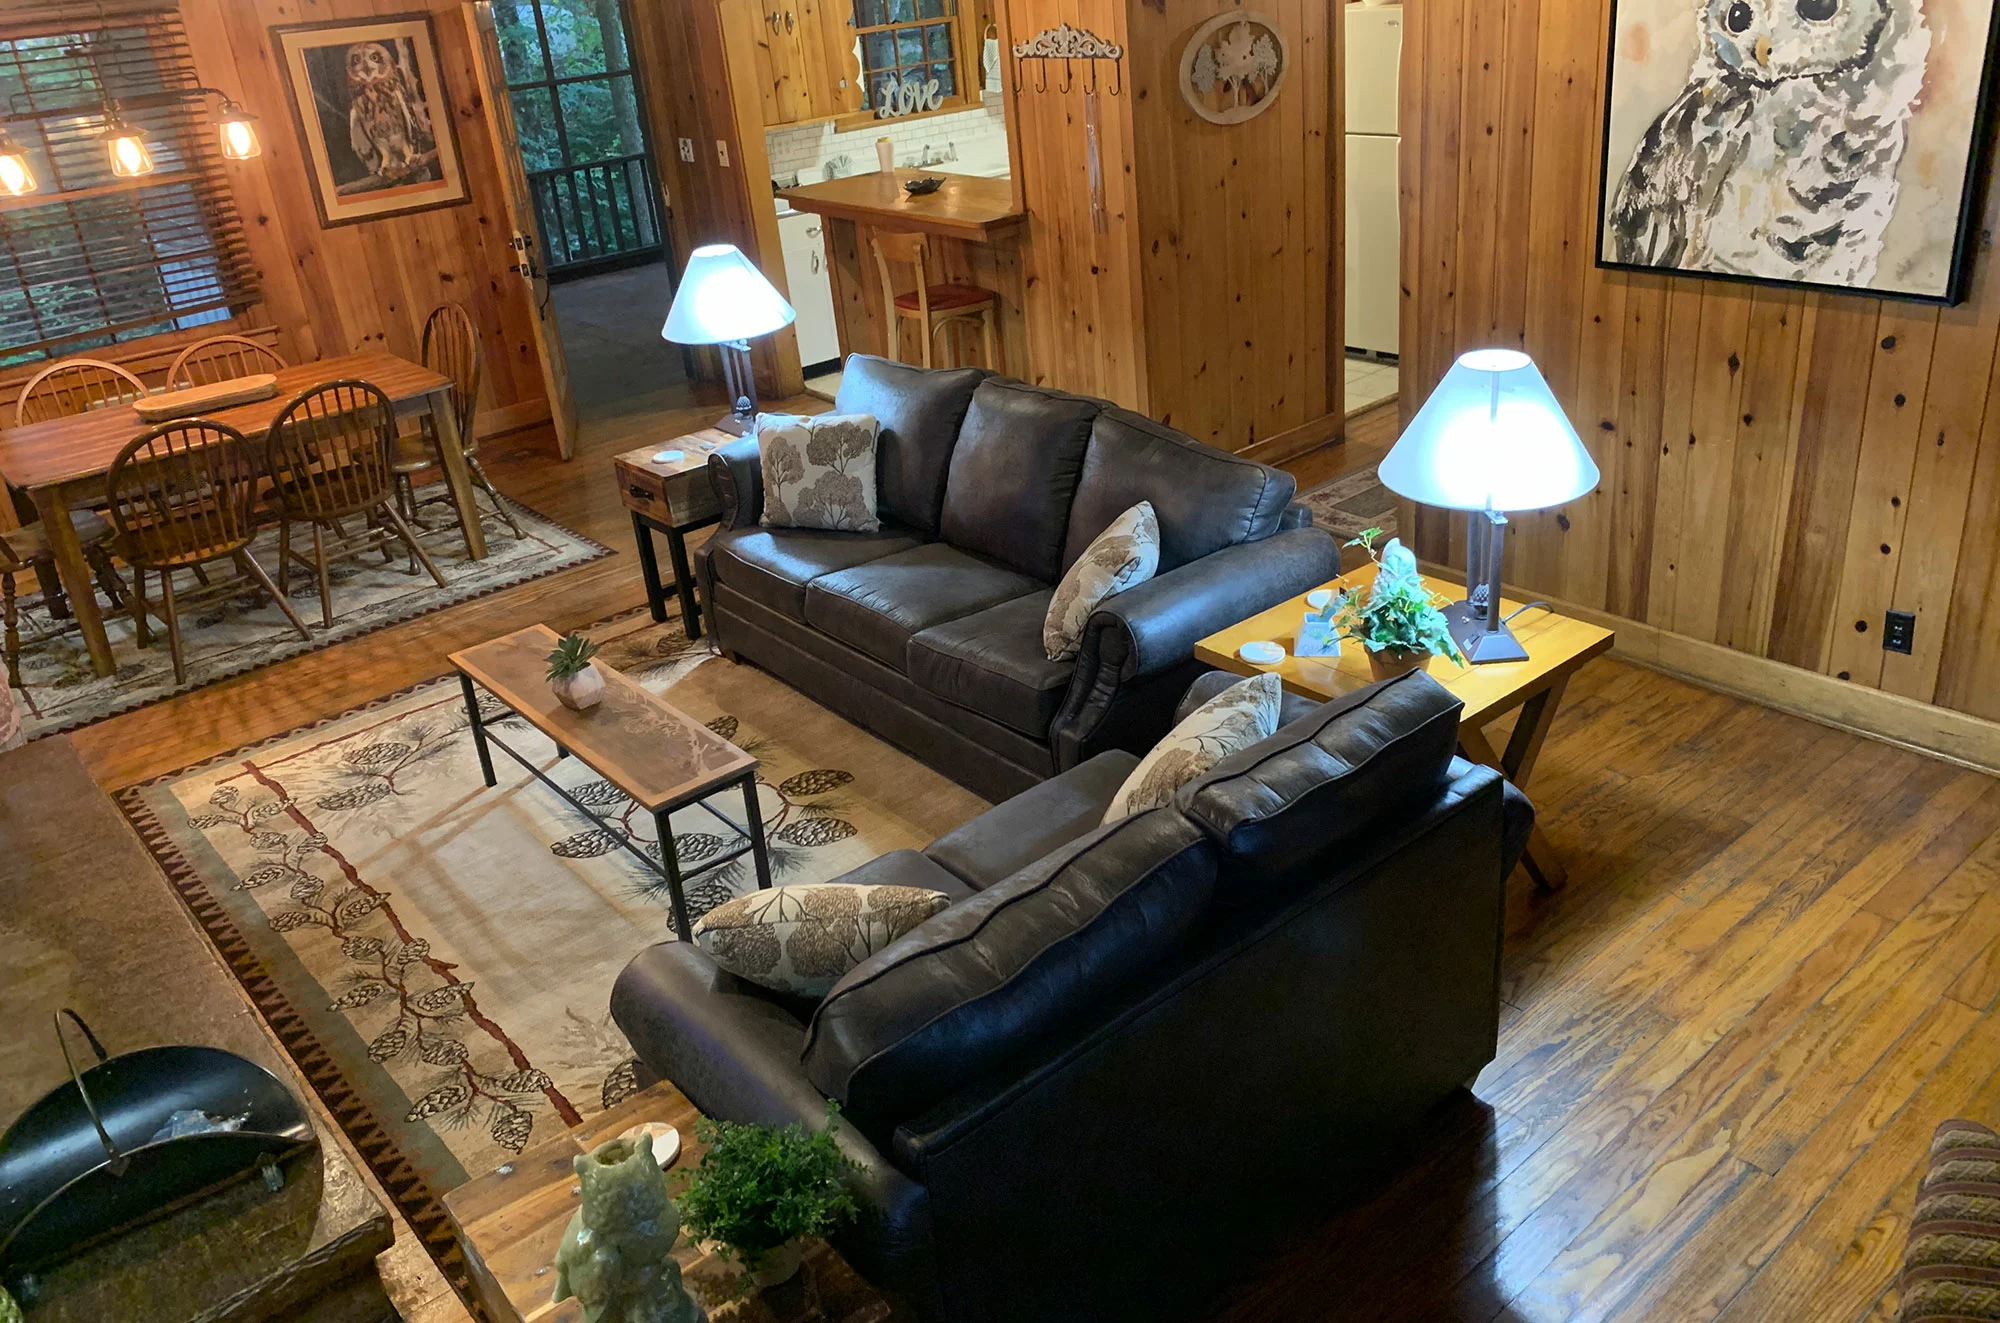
x=65 y=462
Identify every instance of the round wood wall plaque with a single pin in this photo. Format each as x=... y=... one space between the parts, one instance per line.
x=1233 y=67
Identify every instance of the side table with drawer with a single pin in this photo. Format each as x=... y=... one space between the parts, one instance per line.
x=671 y=496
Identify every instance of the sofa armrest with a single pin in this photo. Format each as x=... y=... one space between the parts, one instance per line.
x=1296 y=515
x=736 y=471
x=734 y=1051
x=1145 y=630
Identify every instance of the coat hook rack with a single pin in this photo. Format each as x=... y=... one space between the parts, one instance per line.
x=1069 y=45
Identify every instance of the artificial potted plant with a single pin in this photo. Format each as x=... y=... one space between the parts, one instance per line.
x=759 y=1191
x=1397 y=622
x=574 y=678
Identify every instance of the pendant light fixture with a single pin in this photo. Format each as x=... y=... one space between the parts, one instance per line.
x=239 y=132
x=17 y=173
x=126 y=146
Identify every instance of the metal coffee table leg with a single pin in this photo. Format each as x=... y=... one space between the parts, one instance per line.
x=671 y=861
x=755 y=817
x=478 y=728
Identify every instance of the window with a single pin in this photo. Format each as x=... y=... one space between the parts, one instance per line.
x=90 y=260
x=906 y=44
x=576 y=114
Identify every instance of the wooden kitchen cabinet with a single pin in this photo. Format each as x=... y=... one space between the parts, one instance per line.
x=805 y=63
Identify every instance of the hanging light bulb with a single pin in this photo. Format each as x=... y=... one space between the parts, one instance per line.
x=17 y=176
x=239 y=132
x=127 y=146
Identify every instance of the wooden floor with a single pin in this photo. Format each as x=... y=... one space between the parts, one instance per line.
x=1724 y=1046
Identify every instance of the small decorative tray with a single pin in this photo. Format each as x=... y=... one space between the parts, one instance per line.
x=918 y=187
x=206 y=399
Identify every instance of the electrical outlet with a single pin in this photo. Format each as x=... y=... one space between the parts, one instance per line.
x=722 y=153
x=1899 y=631
x=687 y=150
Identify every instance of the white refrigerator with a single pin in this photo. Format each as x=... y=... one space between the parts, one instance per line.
x=1374 y=263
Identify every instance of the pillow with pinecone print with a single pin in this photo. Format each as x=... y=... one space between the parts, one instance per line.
x=801 y=939
x=1234 y=719
x=1123 y=556
x=819 y=472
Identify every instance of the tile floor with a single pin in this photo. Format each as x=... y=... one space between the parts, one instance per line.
x=1368 y=383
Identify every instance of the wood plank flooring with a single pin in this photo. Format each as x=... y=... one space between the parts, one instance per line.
x=1724 y=1046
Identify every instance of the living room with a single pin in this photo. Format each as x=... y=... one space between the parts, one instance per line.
x=723 y=659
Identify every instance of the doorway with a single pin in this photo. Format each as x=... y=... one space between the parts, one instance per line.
x=599 y=210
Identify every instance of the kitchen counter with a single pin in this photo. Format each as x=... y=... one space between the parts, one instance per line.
x=966 y=207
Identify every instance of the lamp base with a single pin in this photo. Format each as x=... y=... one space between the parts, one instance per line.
x=1480 y=645
x=734 y=424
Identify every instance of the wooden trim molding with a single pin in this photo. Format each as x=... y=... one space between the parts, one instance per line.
x=511 y=417
x=1955 y=737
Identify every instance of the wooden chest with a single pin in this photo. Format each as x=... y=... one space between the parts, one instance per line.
x=672 y=492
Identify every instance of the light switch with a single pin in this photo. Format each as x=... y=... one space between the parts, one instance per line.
x=687 y=150
x=722 y=153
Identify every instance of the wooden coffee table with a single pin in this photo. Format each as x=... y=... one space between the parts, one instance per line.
x=510 y=1222
x=661 y=757
x=1557 y=645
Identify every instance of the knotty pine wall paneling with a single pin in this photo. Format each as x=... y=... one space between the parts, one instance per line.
x=371 y=285
x=1780 y=468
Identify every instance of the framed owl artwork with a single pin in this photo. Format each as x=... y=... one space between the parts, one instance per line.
x=1825 y=144
x=369 y=104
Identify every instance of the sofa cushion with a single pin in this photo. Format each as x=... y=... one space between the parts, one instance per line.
x=772 y=566
x=1238 y=717
x=1016 y=832
x=1013 y=474
x=1124 y=555
x=920 y=411
x=987 y=978
x=800 y=939
x=992 y=662
x=1323 y=781
x=1204 y=498
x=819 y=471
x=877 y=607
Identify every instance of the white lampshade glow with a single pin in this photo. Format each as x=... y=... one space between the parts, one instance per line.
x=722 y=299
x=127 y=147
x=1490 y=437
x=238 y=128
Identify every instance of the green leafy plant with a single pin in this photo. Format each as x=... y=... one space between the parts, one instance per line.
x=757 y=1188
x=1399 y=611
x=571 y=656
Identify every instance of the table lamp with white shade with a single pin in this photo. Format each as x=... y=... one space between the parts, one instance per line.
x=724 y=300
x=1490 y=439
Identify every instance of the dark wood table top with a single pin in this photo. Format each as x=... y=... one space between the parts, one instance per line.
x=643 y=744
x=83 y=445
x=964 y=206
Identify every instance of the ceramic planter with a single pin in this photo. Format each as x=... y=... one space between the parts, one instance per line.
x=580 y=692
x=778 y=1266
x=1389 y=663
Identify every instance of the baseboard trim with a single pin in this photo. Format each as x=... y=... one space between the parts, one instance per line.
x=511 y=417
x=1297 y=441
x=1956 y=737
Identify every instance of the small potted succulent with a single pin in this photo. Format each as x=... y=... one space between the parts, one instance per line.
x=758 y=1192
x=574 y=678
x=1397 y=622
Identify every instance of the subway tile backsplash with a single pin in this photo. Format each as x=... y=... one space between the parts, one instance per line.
x=799 y=155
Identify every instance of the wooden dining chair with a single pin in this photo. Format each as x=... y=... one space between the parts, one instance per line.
x=72 y=386
x=222 y=358
x=183 y=495
x=933 y=306
x=451 y=349
x=25 y=550
x=328 y=458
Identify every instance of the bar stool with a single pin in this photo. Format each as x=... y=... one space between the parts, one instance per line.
x=933 y=306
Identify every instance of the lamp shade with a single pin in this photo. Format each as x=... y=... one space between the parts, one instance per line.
x=1491 y=436
x=724 y=298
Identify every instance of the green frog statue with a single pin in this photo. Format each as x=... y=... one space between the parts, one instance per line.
x=617 y=1255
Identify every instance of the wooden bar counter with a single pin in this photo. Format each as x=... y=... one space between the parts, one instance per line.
x=975 y=230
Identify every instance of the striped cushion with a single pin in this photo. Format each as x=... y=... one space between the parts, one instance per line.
x=1951 y=1270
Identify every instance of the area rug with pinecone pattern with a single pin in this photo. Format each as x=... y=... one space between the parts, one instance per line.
x=438 y=956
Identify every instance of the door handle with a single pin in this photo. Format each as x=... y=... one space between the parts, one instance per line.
x=788 y=20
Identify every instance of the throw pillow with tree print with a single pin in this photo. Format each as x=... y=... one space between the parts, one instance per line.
x=819 y=472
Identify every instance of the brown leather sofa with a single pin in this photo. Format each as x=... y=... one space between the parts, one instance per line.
x=1099 y=1079
x=929 y=632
